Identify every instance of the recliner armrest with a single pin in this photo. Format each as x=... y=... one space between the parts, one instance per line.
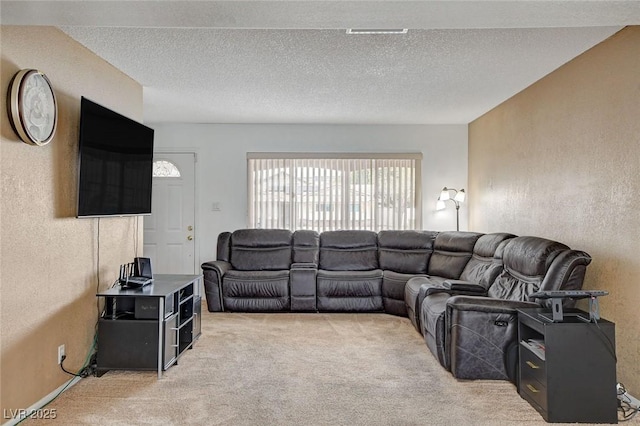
x=487 y=304
x=466 y=286
x=220 y=266
x=213 y=272
x=454 y=287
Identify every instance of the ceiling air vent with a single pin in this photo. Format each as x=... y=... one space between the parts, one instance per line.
x=377 y=31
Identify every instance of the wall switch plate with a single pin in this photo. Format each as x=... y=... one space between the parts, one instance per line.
x=216 y=206
x=60 y=353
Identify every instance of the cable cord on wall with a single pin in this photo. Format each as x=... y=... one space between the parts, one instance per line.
x=608 y=343
x=98 y=268
x=87 y=367
x=67 y=371
x=136 y=224
x=86 y=370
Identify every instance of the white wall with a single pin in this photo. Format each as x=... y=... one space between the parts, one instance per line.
x=222 y=177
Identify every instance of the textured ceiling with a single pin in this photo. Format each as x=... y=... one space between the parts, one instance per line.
x=292 y=62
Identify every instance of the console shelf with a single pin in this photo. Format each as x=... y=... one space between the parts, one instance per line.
x=151 y=327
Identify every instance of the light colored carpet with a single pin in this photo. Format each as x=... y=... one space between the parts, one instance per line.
x=296 y=369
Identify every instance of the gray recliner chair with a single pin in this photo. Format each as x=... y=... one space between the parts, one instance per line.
x=480 y=332
x=403 y=255
x=481 y=270
x=251 y=273
x=349 y=277
x=452 y=251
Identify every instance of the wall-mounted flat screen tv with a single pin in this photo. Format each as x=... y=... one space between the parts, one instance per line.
x=115 y=163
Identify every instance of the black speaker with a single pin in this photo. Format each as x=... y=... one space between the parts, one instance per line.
x=143 y=267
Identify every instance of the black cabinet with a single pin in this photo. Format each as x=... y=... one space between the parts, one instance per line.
x=149 y=328
x=567 y=370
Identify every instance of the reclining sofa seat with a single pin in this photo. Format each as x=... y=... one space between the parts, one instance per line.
x=402 y=256
x=481 y=270
x=349 y=278
x=451 y=253
x=255 y=278
x=481 y=332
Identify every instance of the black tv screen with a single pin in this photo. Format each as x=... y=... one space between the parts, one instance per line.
x=115 y=163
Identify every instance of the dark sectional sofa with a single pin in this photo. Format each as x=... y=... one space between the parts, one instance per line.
x=459 y=289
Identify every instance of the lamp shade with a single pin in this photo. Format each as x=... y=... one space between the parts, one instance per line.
x=460 y=196
x=444 y=195
x=440 y=205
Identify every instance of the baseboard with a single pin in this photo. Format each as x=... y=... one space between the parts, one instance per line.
x=37 y=407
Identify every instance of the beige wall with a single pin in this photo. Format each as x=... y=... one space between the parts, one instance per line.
x=48 y=257
x=561 y=160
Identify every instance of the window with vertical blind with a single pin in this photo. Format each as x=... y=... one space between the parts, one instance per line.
x=325 y=192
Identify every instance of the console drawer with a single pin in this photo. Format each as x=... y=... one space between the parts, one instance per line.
x=532 y=366
x=534 y=392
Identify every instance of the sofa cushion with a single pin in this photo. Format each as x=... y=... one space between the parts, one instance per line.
x=261 y=249
x=393 y=284
x=407 y=252
x=414 y=295
x=348 y=251
x=306 y=245
x=224 y=246
x=525 y=263
x=350 y=291
x=482 y=259
x=256 y=291
x=432 y=325
x=452 y=251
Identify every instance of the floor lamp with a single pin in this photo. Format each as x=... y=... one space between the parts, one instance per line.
x=458 y=197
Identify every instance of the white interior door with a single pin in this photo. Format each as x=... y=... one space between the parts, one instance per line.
x=169 y=233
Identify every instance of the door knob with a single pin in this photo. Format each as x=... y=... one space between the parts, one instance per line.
x=189 y=228
x=189 y=238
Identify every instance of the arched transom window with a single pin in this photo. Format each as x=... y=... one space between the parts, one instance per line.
x=165 y=169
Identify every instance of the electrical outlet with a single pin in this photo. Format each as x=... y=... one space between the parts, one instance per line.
x=61 y=353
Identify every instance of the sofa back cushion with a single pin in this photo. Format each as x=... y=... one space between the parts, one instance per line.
x=261 y=249
x=348 y=251
x=526 y=261
x=224 y=246
x=306 y=247
x=482 y=259
x=406 y=252
x=452 y=251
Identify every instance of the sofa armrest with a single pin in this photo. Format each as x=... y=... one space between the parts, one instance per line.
x=454 y=287
x=220 y=266
x=213 y=272
x=468 y=287
x=483 y=337
x=487 y=304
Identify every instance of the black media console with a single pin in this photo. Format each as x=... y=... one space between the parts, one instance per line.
x=567 y=368
x=150 y=327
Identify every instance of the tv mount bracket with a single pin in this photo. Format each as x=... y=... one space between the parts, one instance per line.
x=558 y=296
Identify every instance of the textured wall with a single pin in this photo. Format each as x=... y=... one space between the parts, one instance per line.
x=444 y=163
x=49 y=259
x=562 y=160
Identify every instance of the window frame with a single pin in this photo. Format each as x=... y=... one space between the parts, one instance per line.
x=280 y=160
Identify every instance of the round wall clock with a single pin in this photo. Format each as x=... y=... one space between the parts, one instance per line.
x=33 y=111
